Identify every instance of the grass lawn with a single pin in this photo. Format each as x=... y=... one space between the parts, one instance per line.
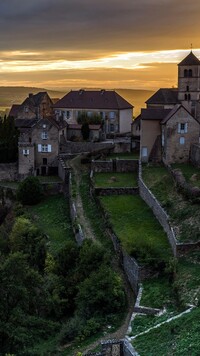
x=137 y=228
x=115 y=180
x=184 y=215
x=179 y=337
x=52 y=216
x=191 y=173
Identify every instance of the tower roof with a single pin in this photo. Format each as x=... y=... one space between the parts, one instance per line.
x=190 y=60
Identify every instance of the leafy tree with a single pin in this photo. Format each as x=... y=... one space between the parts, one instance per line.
x=85 y=130
x=29 y=191
x=27 y=238
x=8 y=140
x=100 y=294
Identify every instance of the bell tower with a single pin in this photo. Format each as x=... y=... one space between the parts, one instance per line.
x=189 y=84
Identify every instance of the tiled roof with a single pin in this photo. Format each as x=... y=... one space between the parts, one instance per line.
x=93 y=99
x=154 y=114
x=190 y=60
x=164 y=96
x=14 y=110
x=25 y=123
x=34 y=99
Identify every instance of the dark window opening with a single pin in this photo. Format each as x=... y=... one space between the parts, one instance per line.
x=186 y=97
x=44 y=161
x=190 y=73
x=187 y=88
x=189 y=96
x=185 y=73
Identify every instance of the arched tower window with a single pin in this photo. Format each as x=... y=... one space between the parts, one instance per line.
x=186 y=97
x=185 y=73
x=189 y=96
x=190 y=73
x=187 y=88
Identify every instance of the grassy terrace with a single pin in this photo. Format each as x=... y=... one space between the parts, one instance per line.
x=138 y=230
x=185 y=216
x=52 y=216
x=179 y=337
x=115 y=180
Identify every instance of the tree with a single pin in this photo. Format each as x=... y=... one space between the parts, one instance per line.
x=29 y=191
x=85 y=130
x=8 y=140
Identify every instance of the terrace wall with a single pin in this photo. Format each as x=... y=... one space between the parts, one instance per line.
x=158 y=211
x=115 y=165
x=82 y=147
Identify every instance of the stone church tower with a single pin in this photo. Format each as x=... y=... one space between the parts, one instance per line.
x=189 y=84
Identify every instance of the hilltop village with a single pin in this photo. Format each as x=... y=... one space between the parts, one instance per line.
x=99 y=223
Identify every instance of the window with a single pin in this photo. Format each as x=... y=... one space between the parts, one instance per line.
x=44 y=148
x=187 y=88
x=44 y=135
x=185 y=73
x=25 y=152
x=182 y=140
x=26 y=109
x=182 y=127
x=112 y=115
x=144 y=151
x=44 y=126
x=190 y=73
x=44 y=161
x=112 y=127
x=189 y=96
x=186 y=97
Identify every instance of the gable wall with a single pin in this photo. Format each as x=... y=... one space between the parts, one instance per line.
x=173 y=150
x=150 y=129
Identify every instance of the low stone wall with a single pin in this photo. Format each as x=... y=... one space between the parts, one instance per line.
x=126 y=165
x=195 y=155
x=116 y=191
x=158 y=211
x=8 y=171
x=82 y=147
x=102 y=166
x=115 y=165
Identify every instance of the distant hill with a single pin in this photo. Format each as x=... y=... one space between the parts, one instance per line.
x=16 y=95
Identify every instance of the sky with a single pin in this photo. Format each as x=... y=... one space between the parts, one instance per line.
x=62 y=44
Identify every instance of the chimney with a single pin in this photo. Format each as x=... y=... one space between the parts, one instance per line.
x=30 y=95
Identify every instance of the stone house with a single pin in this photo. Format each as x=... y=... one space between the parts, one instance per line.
x=167 y=134
x=170 y=123
x=35 y=106
x=114 y=111
x=39 y=146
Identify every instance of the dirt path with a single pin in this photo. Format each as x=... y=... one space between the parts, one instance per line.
x=78 y=170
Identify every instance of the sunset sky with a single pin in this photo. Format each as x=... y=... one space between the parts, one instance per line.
x=59 y=44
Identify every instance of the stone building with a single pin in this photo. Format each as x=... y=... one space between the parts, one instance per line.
x=39 y=146
x=35 y=106
x=115 y=112
x=170 y=124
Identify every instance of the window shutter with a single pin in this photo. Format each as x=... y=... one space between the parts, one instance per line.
x=179 y=128
x=49 y=148
x=186 y=127
x=39 y=148
x=24 y=152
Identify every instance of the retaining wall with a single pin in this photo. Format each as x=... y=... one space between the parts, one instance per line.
x=82 y=147
x=158 y=211
x=115 y=165
x=116 y=191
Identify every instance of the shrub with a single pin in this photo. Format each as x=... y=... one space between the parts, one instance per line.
x=29 y=191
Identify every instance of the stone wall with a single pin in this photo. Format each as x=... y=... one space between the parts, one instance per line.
x=195 y=155
x=8 y=171
x=115 y=165
x=126 y=165
x=158 y=211
x=82 y=147
x=116 y=191
x=102 y=166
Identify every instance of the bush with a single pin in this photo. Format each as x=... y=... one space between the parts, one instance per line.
x=29 y=191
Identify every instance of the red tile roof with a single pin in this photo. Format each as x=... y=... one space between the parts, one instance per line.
x=93 y=99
